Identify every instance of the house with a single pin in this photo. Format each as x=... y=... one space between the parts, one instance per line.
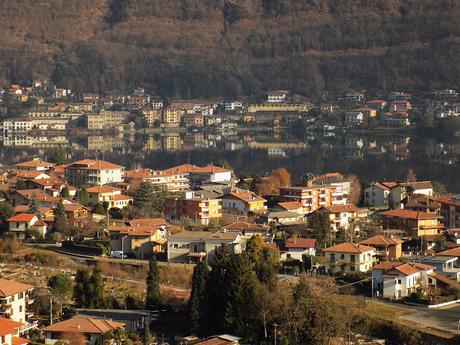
x=340 y=216
x=402 y=105
x=210 y=174
x=9 y=332
x=450 y=210
x=158 y=222
x=77 y=215
x=223 y=339
x=141 y=241
x=312 y=198
x=422 y=202
x=51 y=186
x=453 y=235
x=134 y=320
x=175 y=179
x=242 y=202
x=354 y=118
x=91 y=330
x=386 y=248
x=24 y=196
x=445 y=265
x=378 y=194
x=291 y=206
x=408 y=189
x=90 y=172
x=195 y=246
x=249 y=229
x=20 y=223
x=14 y=302
x=278 y=96
x=110 y=195
x=46 y=213
x=349 y=258
x=35 y=164
x=298 y=248
x=194 y=120
x=31 y=175
x=400 y=280
x=377 y=104
x=199 y=206
x=282 y=218
x=414 y=223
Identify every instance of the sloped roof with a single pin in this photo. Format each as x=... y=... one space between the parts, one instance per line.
x=406 y=268
x=8 y=326
x=441 y=278
x=244 y=196
x=148 y=221
x=380 y=240
x=35 y=163
x=450 y=252
x=289 y=205
x=84 y=325
x=240 y=225
x=92 y=164
x=294 y=242
x=349 y=248
x=209 y=169
x=11 y=287
x=21 y=217
x=102 y=189
x=410 y=214
x=341 y=208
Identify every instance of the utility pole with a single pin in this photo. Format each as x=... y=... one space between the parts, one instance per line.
x=372 y=288
x=51 y=309
x=274 y=331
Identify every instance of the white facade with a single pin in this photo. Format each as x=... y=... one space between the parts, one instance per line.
x=376 y=196
x=297 y=253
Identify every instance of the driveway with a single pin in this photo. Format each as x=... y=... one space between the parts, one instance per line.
x=445 y=319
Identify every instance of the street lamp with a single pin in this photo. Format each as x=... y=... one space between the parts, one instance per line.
x=122 y=251
x=274 y=331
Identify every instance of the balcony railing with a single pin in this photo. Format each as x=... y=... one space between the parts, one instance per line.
x=28 y=326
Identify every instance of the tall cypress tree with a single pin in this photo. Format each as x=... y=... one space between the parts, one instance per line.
x=83 y=196
x=153 y=299
x=80 y=291
x=61 y=223
x=33 y=206
x=197 y=302
x=96 y=289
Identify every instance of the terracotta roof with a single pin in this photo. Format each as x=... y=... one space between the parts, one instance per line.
x=34 y=163
x=443 y=279
x=10 y=287
x=407 y=268
x=84 y=325
x=30 y=174
x=289 y=205
x=180 y=169
x=91 y=164
x=22 y=217
x=39 y=195
x=240 y=225
x=349 y=248
x=419 y=185
x=133 y=230
x=121 y=197
x=73 y=207
x=147 y=221
x=410 y=214
x=25 y=209
x=215 y=341
x=300 y=242
x=450 y=252
x=19 y=341
x=385 y=266
x=341 y=208
x=102 y=189
x=8 y=326
x=380 y=240
x=385 y=185
x=209 y=169
x=244 y=196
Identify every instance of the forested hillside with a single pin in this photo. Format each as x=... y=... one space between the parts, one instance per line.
x=204 y=48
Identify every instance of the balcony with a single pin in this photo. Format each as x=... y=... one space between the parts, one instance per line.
x=28 y=326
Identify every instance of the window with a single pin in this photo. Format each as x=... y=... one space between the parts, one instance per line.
x=352 y=268
x=352 y=258
x=20 y=308
x=342 y=256
x=332 y=257
x=176 y=245
x=399 y=281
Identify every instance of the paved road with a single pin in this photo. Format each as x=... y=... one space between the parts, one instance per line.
x=446 y=318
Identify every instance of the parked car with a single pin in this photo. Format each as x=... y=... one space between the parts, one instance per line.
x=118 y=254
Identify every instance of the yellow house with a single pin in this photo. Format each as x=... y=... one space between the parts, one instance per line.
x=171 y=117
x=141 y=241
x=109 y=194
x=274 y=107
x=414 y=223
x=242 y=202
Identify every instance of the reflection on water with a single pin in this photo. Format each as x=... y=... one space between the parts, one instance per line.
x=369 y=156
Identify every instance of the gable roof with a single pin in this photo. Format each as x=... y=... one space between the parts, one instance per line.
x=349 y=248
x=246 y=196
x=8 y=326
x=406 y=268
x=102 y=189
x=289 y=205
x=22 y=217
x=340 y=208
x=294 y=242
x=209 y=169
x=91 y=164
x=35 y=163
x=409 y=214
x=450 y=252
x=80 y=324
x=380 y=240
x=240 y=225
x=444 y=280
x=11 y=287
x=147 y=221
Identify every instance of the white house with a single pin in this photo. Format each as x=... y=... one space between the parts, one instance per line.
x=93 y=172
x=349 y=257
x=277 y=96
x=354 y=117
x=10 y=331
x=298 y=248
x=403 y=190
x=399 y=280
x=378 y=194
x=20 y=223
x=209 y=174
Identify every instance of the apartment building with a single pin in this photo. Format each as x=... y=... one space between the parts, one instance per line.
x=14 y=300
x=35 y=164
x=414 y=223
x=450 y=210
x=171 y=117
x=89 y=172
x=106 y=119
x=196 y=246
x=349 y=257
x=111 y=195
x=340 y=216
x=200 y=206
x=242 y=202
x=175 y=179
x=312 y=198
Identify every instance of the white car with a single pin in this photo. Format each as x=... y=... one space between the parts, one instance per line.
x=118 y=254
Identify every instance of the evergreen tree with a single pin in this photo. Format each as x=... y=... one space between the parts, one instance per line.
x=267 y=267
x=153 y=298
x=6 y=211
x=60 y=286
x=197 y=302
x=65 y=192
x=99 y=209
x=33 y=206
x=96 y=289
x=58 y=157
x=61 y=223
x=83 y=196
x=149 y=197
x=80 y=291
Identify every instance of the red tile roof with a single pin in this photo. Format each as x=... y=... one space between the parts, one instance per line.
x=91 y=164
x=289 y=205
x=240 y=225
x=148 y=221
x=84 y=325
x=102 y=189
x=409 y=214
x=8 y=326
x=300 y=243
x=349 y=248
x=340 y=208
x=443 y=279
x=22 y=217
x=10 y=287
x=380 y=240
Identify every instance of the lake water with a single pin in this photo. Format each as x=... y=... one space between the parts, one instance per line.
x=370 y=156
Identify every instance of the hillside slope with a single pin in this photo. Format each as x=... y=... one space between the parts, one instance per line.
x=204 y=48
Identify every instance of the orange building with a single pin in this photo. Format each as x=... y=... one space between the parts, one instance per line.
x=312 y=198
